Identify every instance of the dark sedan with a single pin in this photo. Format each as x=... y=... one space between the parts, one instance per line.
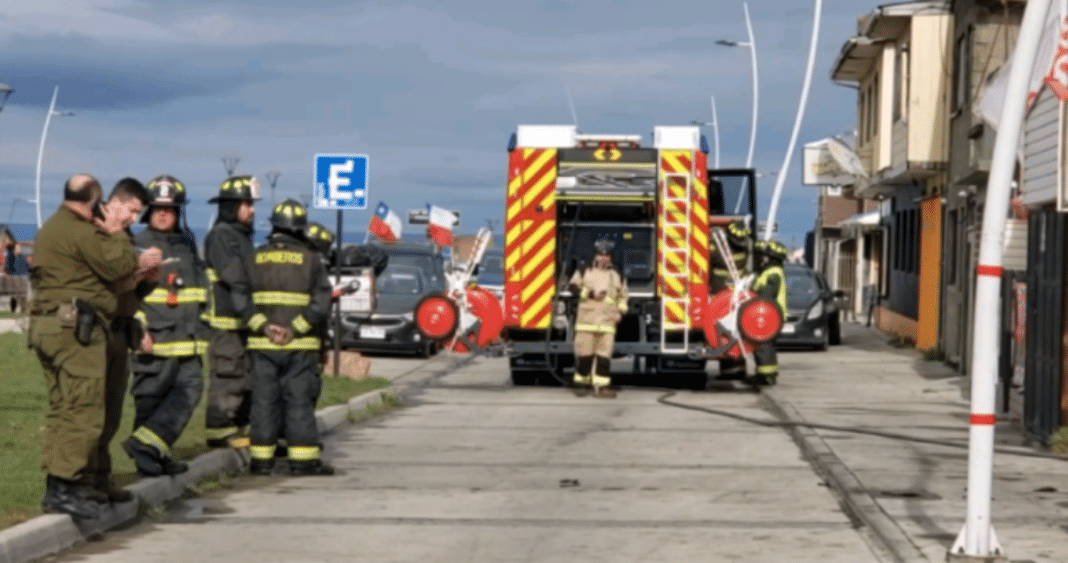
x=813 y=316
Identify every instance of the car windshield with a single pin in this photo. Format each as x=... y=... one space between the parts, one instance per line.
x=399 y=280
x=801 y=288
x=491 y=271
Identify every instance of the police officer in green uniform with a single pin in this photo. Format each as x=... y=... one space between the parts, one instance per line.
x=76 y=257
x=738 y=239
x=291 y=294
x=602 y=302
x=770 y=285
x=127 y=197
x=167 y=370
x=227 y=251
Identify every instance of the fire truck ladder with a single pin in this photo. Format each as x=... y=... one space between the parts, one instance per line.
x=675 y=249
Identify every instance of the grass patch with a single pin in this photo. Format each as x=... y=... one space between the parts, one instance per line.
x=1058 y=442
x=24 y=401
x=935 y=354
x=209 y=483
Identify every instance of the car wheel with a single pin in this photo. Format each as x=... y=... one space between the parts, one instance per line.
x=428 y=349
x=822 y=346
x=834 y=329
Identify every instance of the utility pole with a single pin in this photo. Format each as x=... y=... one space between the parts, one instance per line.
x=272 y=178
x=230 y=163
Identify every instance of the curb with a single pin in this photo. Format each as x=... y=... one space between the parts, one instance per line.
x=49 y=534
x=853 y=495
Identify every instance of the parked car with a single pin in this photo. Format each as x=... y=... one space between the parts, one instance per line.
x=412 y=271
x=490 y=273
x=813 y=313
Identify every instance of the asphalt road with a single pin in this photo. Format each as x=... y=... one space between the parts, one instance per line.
x=472 y=469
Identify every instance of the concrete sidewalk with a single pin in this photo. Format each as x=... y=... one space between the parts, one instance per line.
x=910 y=490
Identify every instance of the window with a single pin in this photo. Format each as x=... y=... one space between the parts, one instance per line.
x=962 y=70
x=901 y=82
x=873 y=107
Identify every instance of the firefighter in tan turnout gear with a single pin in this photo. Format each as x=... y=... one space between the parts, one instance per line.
x=602 y=302
x=227 y=252
x=291 y=296
x=168 y=382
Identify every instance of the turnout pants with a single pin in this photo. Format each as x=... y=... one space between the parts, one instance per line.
x=165 y=392
x=593 y=358
x=767 y=361
x=116 y=377
x=285 y=387
x=229 y=397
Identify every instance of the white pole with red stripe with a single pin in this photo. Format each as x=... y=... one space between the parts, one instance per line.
x=977 y=539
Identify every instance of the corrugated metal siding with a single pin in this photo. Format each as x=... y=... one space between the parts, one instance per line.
x=1041 y=151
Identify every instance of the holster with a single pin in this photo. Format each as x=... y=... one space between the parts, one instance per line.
x=84 y=322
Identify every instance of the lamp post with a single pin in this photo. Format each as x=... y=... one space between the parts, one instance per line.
x=272 y=179
x=40 y=150
x=15 y=203
x=779 y=181
x=715 y=132
x=5 y=91
x=751 y=45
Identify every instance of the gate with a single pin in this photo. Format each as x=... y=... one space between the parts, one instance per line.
x=1045 y=315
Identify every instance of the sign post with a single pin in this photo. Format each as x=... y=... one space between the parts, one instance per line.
x=340 y=183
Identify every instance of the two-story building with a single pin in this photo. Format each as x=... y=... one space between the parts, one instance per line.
x=897 y=62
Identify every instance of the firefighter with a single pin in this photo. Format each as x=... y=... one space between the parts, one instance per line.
x=291 y=297
x=227 y=252
x=602 y=302
x=168 y=382
x=770 y=284
x=738 y=237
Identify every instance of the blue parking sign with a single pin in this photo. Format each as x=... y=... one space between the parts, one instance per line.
x=340 y=181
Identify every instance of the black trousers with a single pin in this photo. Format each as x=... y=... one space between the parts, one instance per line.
x=165 y=392
x=229 y=398
x=285 y=388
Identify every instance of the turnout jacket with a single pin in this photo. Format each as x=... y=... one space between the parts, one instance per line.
x=598 y=316
x=770 y=284
x=176 y=310
x=290 y=288
x=227 y=253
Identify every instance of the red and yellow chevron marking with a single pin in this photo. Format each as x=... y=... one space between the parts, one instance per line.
x=672 y=240
x=530 y=238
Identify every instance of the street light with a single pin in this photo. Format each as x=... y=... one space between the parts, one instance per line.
x=751 y=45
x=40 y=151
x=5 y=91
x=715 y=132
x=272 y=178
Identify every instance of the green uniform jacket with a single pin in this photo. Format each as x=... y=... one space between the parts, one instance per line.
x=72 y=258
x=175 y=312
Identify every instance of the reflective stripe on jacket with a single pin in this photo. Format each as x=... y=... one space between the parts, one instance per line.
x=227 y=252
x=771 y=285
x=173 y=312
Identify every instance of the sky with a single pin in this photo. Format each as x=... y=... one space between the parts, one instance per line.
x=431 y=91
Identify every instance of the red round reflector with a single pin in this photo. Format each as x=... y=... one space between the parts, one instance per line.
x=760 y=320
x=436 y=317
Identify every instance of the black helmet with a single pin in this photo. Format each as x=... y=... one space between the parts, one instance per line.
x=238 y=188
x=289 y=215
x=604 y=246
x=772 y=249
x=320 y=237
x=166 y=191
x=738 y=234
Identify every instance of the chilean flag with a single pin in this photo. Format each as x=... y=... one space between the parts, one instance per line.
x=385 y=224
x=439 y=229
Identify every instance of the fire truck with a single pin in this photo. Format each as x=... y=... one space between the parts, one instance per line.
x=666 y=214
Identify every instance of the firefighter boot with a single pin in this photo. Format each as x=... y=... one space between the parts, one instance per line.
x=110 y=492
x=261 y=466
x=171 y=466
x=309 y=467
x=145 y=457
x=601 y=387
x=582 y=380
x=67 y=497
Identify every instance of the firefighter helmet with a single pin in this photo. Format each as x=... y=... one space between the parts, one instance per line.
x=289 y=215
x=320 y=237
x=738 y=233
x=166 y=191
x=772 y=249
x=238 y=188
x=603 y=246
